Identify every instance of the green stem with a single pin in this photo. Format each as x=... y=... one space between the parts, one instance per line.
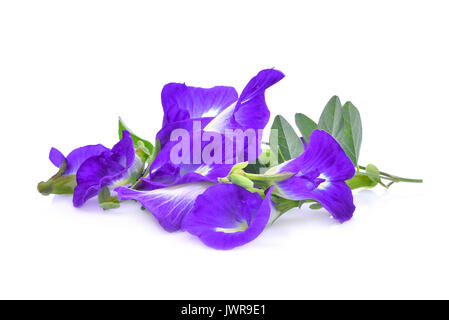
x=391 y=177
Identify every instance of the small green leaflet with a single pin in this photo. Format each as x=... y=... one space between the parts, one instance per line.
x=331 y=119
x=305 y=125
x=351 y=140
x=136 y=139
x=284 y=139
x=365 y=180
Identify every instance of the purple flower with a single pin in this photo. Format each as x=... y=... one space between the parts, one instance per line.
x=116 y=167
x=183 y=105
x=170 y=191
x=75 y=158
x=226 y=216
x=64 y=181
x=320 y=174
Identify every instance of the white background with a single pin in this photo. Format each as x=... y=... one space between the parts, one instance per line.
x=68 y=69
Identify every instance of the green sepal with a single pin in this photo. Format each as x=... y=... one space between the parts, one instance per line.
x=241 y=181
x=58 y=184
x=272 y=178
x=315 y=206
x=238 y=167
x=106 y=201
x=136 y=139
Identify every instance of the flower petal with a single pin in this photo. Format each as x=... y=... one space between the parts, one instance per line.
x=181 y=102
x=75 y=158
x=325 y=154
x=336 y=198
x=251 y=110
x=164 y=134
x=118 y=164
x=169 y=205
x=56 y=157
x=320 y=174
x=226 y=216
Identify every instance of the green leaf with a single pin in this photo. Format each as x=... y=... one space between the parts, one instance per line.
x=284 y=139
x=360 y=180
x=331 y=119
x=136 y=139
x=305 y=125
x=351 y=140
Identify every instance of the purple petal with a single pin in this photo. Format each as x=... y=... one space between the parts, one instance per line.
x=56 y=157
x=251 y=110
x=123 y=151
x=164 y=134
x=181 y=102
x=320 y=174
x=327 y=156
x=106 y=169
x=75 y=158
x=149 y=183
x=169 y=205
x=336 y=198
x=227 y=216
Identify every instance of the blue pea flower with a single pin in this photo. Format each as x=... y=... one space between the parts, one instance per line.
x=170 y=191
x=112 y=168
x=226 y=216
x=86 y=170
x=182 y=107
x=64 y=181
x=320 y=174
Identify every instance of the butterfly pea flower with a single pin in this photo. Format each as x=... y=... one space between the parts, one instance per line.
x=112 y=168
x=170 y=190
x=182 y=108
x=223 y=216
x=226 y=216
x=64 y=181
x=319 y=174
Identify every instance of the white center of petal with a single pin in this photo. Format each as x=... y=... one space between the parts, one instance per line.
x=203 y=170
x=221 y=121
x=323 y=185
x=210 y=113
x=243 y=226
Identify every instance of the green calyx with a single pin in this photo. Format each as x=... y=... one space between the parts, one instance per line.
x=58 y=184
x=106 y=201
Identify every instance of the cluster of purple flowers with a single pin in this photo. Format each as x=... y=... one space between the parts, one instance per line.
x=217 y=202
